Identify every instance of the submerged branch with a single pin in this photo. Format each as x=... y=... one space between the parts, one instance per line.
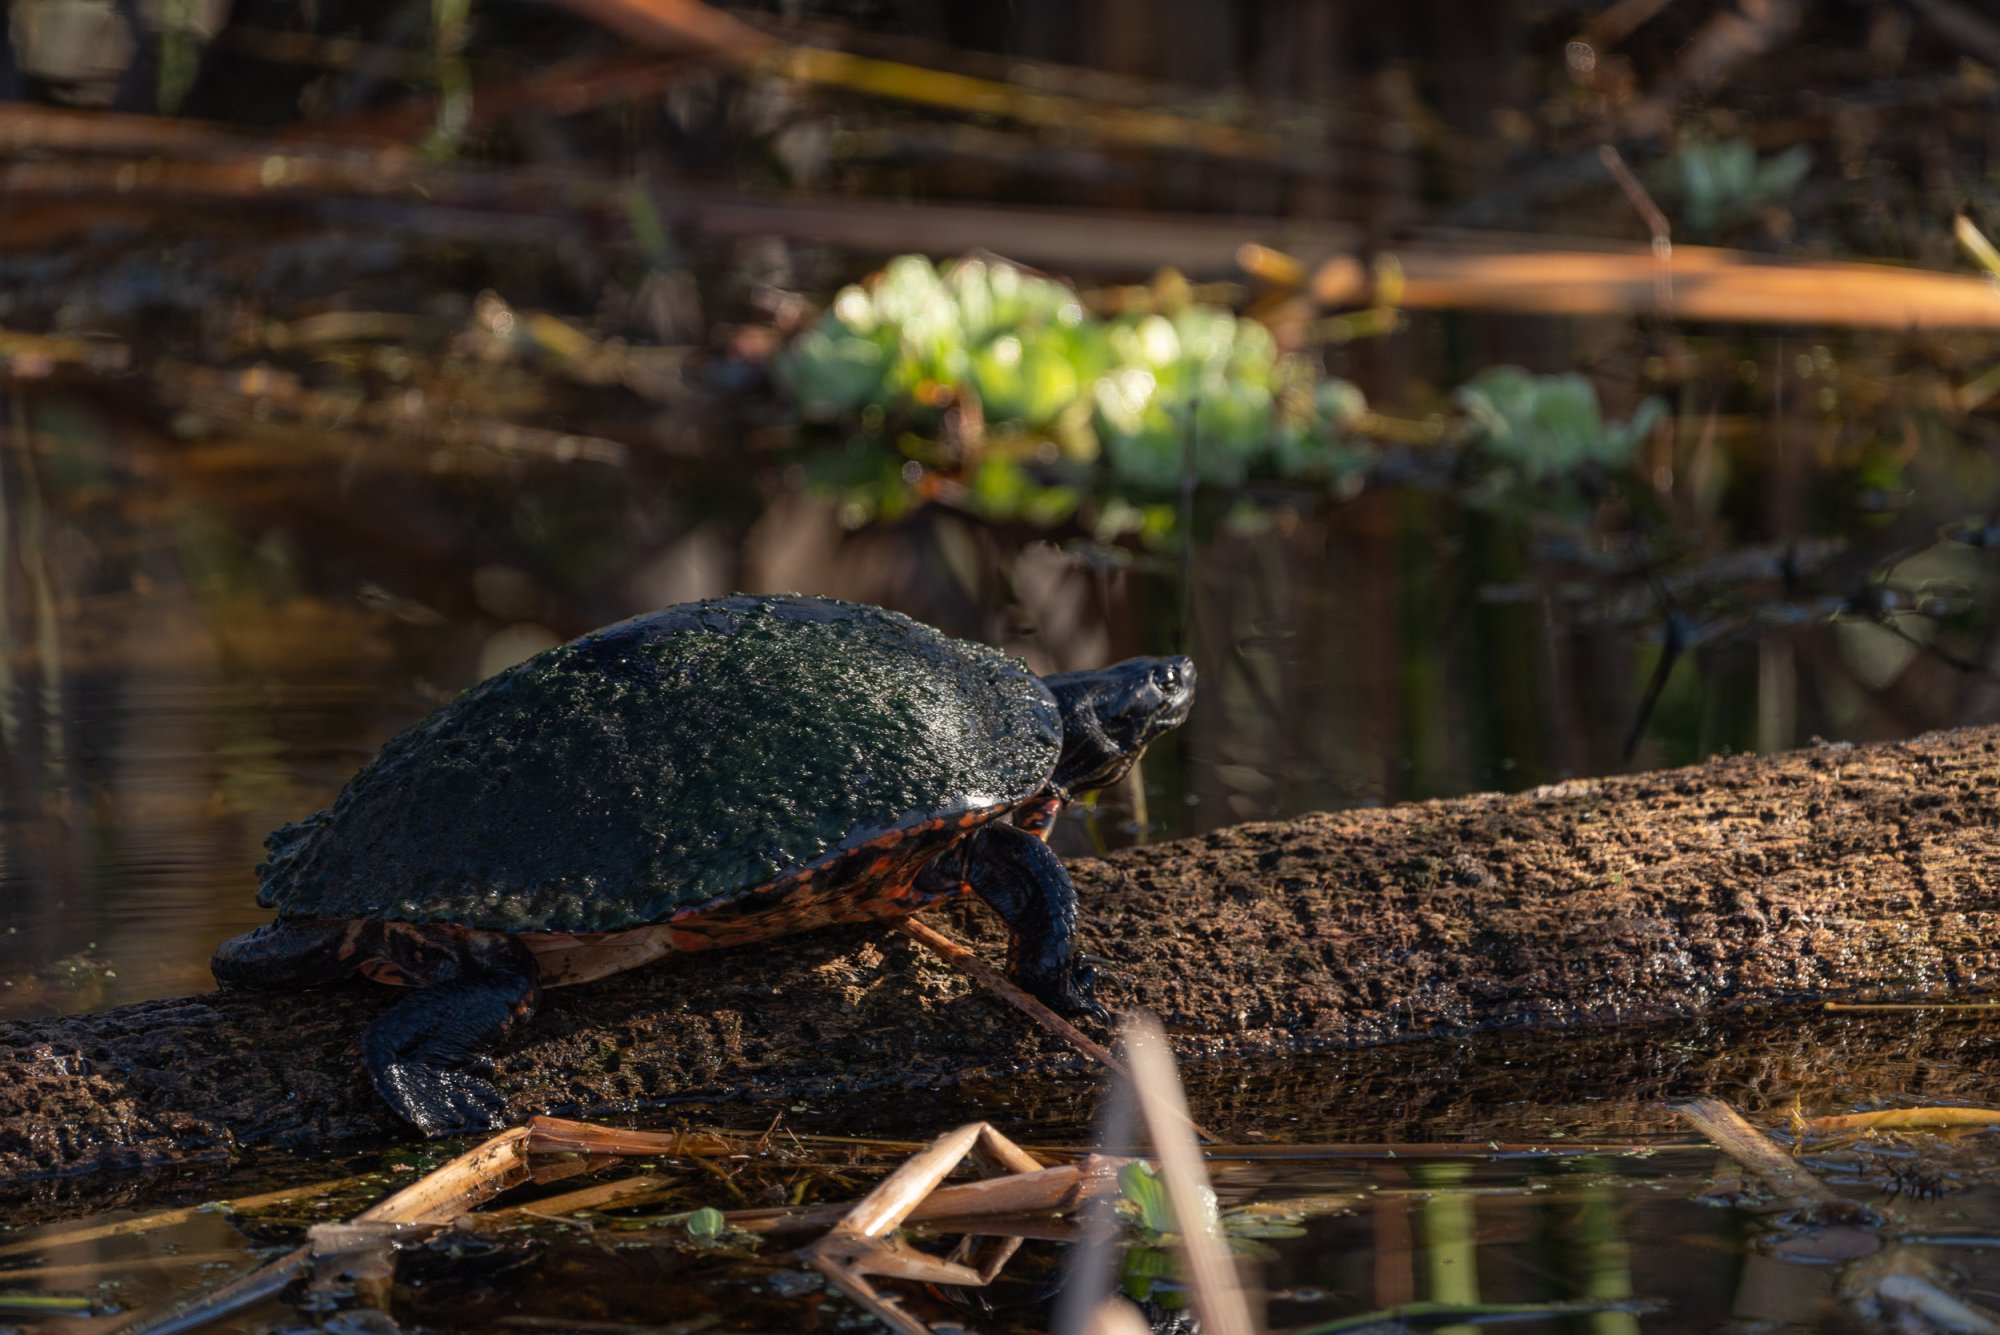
x=1857 y=872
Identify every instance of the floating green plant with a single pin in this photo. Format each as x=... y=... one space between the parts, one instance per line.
x=1149 y=1268
x=1140 y=400
x=998 y=390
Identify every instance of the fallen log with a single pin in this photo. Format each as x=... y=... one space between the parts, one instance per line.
x=1837 y=871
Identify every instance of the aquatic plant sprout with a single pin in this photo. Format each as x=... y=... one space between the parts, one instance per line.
x=1724 y=180
x=1133 y=404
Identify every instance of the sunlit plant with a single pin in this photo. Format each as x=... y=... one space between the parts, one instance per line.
x=1055 y=405
x=1138 y=401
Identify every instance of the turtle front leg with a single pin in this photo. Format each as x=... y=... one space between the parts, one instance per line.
x=1028 y=886
x=427 y=1053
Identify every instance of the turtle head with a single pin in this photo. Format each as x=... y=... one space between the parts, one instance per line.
x=1110 y=715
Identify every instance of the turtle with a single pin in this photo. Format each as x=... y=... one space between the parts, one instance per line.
x=713 y=774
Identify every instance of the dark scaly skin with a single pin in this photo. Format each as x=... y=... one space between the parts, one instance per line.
x=427 y=1053
x=426 y=1056
x=1021 y=879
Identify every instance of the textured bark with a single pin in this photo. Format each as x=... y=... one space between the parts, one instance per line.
x=1835 y=871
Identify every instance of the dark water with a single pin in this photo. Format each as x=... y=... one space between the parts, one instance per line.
x=1653 y=1234
x=1373 y=1235
x=208 y=647
x=201 y=640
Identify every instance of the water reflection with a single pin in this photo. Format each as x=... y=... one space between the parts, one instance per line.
x=201 y=637
x=1609 y=1245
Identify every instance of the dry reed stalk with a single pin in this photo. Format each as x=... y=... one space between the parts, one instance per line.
x=46 y=1242
x=1218 y=1297
x=1904 y=1117
x=1043 y=1191
x=1708 y=284
x=86 y=1270
x=604 y=1196
x=559 y=1135
x=860 y=1244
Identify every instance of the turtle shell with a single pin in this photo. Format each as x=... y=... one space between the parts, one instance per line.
x=686 y=758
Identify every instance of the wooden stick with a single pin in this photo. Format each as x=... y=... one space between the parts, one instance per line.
x=1863 y=1006
x=1757 y=1153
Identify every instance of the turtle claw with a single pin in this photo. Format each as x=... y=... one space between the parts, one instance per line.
x=441 y=1102
x=1069 y=993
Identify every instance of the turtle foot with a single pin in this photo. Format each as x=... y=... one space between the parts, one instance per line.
x=441 y=1102
x=1069 y=993
x=427 y=1054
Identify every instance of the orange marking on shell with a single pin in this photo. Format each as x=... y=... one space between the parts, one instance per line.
x=690 y=940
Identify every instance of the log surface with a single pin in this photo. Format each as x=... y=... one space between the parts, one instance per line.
x=1836 y=871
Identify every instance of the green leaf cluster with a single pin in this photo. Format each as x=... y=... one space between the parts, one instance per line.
x=1722 y=180
x=1124 y=409
x=1148 y=396
x=1544 y=427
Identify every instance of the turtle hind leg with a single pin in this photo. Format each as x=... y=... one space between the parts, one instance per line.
x=427 y=1054
x=1024 y=882
x=288 y=953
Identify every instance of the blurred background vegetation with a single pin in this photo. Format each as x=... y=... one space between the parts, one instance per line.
x=1484 y=395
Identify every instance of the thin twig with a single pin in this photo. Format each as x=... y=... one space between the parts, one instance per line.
x=1656 y=223
x=1003 y=987
x=1864 y=1006
x=1902 y=1117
